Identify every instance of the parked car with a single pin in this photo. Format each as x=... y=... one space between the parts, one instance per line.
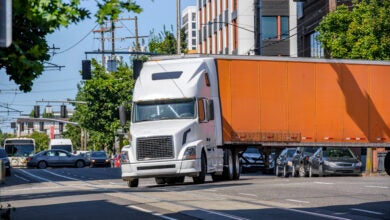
x=333 y=160
x=56 y=158
x=7 y=164
x=283 y=164
x=300 y=160
x=99 y=158
x=251 y=159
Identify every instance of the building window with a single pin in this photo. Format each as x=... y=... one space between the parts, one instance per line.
x=194 y=16
x=193 y=33
x=284 y=27
x=193 y=25
x=275 y=27
x=193 y=41
x=316 y=49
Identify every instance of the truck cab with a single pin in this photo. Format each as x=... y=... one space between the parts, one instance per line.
x=175 y=127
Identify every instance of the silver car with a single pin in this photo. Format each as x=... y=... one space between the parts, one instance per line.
x=56 y=158
x=334 y=160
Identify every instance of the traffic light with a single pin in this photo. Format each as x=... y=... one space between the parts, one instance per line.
x=86 y=69
x=36 y=111
x=63 y=111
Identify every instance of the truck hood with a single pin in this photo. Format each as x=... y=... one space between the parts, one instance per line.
x=160 y=128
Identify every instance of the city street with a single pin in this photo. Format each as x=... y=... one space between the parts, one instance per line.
x=99 y=193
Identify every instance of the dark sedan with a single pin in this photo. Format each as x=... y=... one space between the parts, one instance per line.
x=283 y=164
x=5 y=159
x=99 y=158
x=56 y=158
x=331 y=160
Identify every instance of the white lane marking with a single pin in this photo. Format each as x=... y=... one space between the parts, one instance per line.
x=37 y=177
x=151 y=212
x=22 y=178
x=324 y=183
x=380 y=187
x=317 y=214
x=223 y=215
x=247 y=194
x=210 y=190
x=300 y=201
x=368 y=211
x=66 y=177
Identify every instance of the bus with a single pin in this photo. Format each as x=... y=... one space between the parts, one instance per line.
x=18 y=149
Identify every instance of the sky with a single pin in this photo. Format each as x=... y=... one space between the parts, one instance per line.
x=73 y=42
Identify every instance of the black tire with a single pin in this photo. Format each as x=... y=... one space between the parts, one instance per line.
x=179 y=179
x=159 y=180
x=41 y=165
x=236 y=168
x=387 y=163
x=170 y=180
x=228 y=169
x=8 y=172
x=133 y=183
x=202 y=174
x=80 y=164
x=216 y=178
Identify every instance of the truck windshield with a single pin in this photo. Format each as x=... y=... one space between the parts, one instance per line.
x=164 y=109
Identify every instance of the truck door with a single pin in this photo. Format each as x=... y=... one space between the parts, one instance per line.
x=207 y=127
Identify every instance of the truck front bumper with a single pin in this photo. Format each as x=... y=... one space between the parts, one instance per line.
x=160 y=169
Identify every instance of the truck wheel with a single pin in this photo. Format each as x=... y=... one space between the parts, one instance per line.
x=159 y=180
x=202 y=174
x=179 y=179
x=387 y=163
x=133 y=183
x=236 y=161
x=228 y=169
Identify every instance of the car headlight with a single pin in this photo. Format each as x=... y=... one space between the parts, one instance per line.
x=190 y=153
x=359 y=164
x=289 y=163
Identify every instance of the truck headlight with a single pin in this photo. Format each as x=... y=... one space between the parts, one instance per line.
x=190 y=153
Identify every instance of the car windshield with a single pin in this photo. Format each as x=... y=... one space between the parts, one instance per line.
x=62 y=147
x=98 y=154
x=309 y=150
x=338 y=153
x=252 y=150
x=290 y=152
x=165 y=109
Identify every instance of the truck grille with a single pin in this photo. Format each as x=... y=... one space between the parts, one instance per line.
x=155 y=148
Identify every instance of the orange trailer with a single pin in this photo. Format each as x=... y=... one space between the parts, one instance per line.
x=304 y=101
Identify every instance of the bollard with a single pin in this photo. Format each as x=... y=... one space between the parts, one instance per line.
x=2 y=171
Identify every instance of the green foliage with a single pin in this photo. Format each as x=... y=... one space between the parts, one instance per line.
x=33 y=20
x=41 y=141
x=104 y=93
x=165 y=42
x=74 y=133
x=360 y=33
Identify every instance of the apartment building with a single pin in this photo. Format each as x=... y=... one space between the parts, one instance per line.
x=246 y=27
x=310 y=14
x=189 y=25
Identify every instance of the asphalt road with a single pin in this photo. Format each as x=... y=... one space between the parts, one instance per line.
x=99 y=193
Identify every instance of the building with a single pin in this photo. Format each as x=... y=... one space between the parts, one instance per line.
x=189 y=24
x=310 y=14
x=246 y=27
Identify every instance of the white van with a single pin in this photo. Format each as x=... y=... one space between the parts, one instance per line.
x=63 y=144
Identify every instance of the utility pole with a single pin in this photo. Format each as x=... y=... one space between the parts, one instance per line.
x=178 y=26
x=101 y=31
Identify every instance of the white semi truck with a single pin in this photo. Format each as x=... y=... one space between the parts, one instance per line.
x=191 y=116
x=174 y=131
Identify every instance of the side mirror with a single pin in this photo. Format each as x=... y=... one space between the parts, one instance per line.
x=122 y=115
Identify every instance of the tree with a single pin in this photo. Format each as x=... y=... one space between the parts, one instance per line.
x=41 y=141
x=104 y=93
x=74 y=133
x=360 y=33
x=166 y=43
x=33 y=20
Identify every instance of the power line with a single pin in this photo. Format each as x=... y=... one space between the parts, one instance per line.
x=74 y=45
